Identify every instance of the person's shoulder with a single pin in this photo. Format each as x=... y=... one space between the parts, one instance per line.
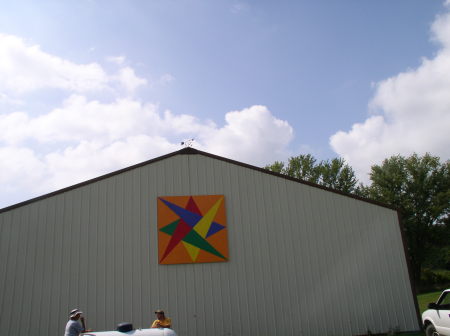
x=74 y=324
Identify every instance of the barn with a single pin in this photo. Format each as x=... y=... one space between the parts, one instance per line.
x=225 y=248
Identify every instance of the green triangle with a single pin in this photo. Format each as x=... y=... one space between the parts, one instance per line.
x=170 y=228
x=195 y=239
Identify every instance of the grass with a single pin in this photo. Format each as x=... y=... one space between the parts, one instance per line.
x=425 y=299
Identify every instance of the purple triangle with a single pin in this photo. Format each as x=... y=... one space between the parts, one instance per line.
x=214 y=228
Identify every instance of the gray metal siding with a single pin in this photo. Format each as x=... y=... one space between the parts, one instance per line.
x=303 y=261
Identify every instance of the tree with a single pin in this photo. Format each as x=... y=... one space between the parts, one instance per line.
x=420 y=188
x=334 y=174
x=338 y=175
x=276 y=167
x=438 y=256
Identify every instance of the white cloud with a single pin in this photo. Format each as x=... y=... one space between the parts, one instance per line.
x=25 y=68
x=20 y=168
x=127 y=77
x=251 y=135
x=83 y=139
x=6 y=100
x=79 y=119
x=90 y=158
x=410 y=113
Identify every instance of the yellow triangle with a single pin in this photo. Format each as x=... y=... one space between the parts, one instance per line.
x=192 y=250
x=204 y=224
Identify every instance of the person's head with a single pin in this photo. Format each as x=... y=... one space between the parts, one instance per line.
x=75 y=314
x=159 y=314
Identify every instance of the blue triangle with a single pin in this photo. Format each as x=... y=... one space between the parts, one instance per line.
x=189 y=217
x=214 y=228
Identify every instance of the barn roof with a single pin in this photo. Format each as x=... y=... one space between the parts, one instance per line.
x=192 y=151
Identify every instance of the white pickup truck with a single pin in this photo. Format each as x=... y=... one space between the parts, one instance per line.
x=436 y=320
x=125 y=329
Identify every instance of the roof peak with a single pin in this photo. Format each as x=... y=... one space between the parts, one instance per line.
x=190 y=151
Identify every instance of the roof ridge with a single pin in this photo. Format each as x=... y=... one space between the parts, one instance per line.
x=191 y=151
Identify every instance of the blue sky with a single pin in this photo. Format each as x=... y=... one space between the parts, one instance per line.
x=93 y=86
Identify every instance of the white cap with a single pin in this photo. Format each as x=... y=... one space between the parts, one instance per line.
x=75 y=312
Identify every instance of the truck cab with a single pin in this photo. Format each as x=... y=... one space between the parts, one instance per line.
x=436 y=319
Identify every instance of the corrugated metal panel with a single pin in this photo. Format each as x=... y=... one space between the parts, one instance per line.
x=303 y=261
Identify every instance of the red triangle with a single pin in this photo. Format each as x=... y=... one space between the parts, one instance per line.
x=192 y=207
x=180 y=232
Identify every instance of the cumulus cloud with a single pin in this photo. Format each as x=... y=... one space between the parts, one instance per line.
x=410 y=112
x=79 y=119
x=6 y=100
x=84 y=138
x=128 y=79
x=25 y=68
x=252 y=133
x=89 y=159
x=20 y=167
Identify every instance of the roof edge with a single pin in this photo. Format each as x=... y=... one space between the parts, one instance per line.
x=191 y=151
x=95 y=179
x=311 y=184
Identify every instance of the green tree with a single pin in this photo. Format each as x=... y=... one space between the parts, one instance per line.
x=420 y=188
x=303 y=167
x=277 y=167
x=334 y=174
x=338 y=175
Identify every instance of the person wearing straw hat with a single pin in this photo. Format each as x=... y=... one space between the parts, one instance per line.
x=76 y=324
x=161 y=320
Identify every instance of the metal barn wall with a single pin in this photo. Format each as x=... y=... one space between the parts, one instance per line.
x=303 y=261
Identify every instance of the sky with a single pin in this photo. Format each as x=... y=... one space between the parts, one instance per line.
x=88 y=87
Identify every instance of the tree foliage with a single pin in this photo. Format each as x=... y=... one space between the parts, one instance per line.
x=333 y=173
x=420 y=188
x=338 y=175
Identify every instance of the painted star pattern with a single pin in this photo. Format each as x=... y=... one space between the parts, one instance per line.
x=192 y=228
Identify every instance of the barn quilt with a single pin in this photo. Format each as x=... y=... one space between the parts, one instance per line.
x=192 y=229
